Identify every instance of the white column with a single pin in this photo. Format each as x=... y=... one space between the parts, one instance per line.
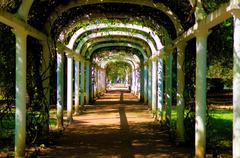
x=99 y=81
x=180 y=91
x=154 y=85
x=82 y=88
x=150 y=85
x=160 y=93
x=103 y=80
x=236 y=89
x=88 y=81
x=145 y=84
x=21 y=91
x=76 y=80
x=60 y=89
x=95 y=83
x=169 y=87
x=91 y=90
x=133 y=81
x=142 y=82
x=69 y=89
x=201 y=72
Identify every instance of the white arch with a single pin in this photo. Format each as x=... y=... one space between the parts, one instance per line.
x=115 y=44
x=117 y=25
x=117 y=33
x=24 y=9
x=103 y=63
x=143 y=44
x=77 y=3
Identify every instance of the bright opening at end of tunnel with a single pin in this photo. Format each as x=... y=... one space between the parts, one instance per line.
x=79 y=77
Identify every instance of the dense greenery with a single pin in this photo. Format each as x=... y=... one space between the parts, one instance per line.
x=117 y=72
x=10 y=5
x=220 y=58
x=37 y=104
x=7 y=81
x=220 y=62
x=219 y=130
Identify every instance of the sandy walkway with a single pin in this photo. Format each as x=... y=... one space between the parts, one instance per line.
x=115 y=131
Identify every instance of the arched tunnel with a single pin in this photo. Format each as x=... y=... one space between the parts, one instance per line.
x=83 y=42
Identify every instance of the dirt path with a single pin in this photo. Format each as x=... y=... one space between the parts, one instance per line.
x=115 y=131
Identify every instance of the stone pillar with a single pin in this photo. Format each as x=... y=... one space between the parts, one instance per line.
x=91 y=98
x=100 y=86
x=69 y=89
x=169 y=87
x=60 y=89
x=95 y=83
x=180 y=91
x=236 y=89
x=104 y=79
x=142 y=83
x=82 y=88
x=150 y=85
x=201 y=72
x=76 y=80
x=21 y=92
x=154 y=86
x=137 y=84
x=133 y=81
x=160 y=93
x=88 y=82
x=145 y=84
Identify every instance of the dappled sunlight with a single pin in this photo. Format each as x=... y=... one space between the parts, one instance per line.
x=121 y=131
x=129 y=52
x=113 y=96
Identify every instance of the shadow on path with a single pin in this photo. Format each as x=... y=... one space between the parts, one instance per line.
x=115 y=131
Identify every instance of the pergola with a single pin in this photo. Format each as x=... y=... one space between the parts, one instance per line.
x=155 y=47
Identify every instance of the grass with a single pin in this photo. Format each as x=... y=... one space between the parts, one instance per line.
x=52 y=118
x=7 y=124
x=219 y=129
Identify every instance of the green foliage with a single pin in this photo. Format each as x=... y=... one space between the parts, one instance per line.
x=211 y=5
x=7 y=81
x=220 y=56
x=37 y=106
x=189 y=69
x=10 y=5
x=7 y=61
x=219 y=131
x=117 y=71
x=38 y=118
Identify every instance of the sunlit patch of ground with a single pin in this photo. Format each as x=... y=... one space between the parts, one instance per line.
x=115 y=131
x=126 y=129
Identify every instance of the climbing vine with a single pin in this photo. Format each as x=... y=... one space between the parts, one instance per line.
x=37 y=103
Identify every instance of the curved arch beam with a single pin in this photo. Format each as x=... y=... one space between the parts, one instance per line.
x=146 y=30
x=134 y=71
x=24 y=9
x=147 y=52
x=99 y=46
x=117 y=34
x=77 y=3
x=103 y=63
